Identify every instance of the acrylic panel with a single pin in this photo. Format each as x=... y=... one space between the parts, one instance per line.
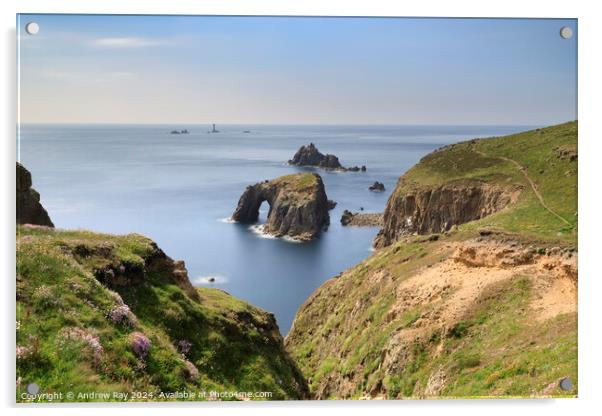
x=295 y=208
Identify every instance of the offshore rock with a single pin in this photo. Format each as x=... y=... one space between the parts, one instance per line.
x=298 y=206
x=311 y=156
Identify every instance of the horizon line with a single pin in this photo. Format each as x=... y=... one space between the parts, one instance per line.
x=183 y=124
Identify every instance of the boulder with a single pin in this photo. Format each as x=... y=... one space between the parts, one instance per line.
x=346 y=217
x=377 y=187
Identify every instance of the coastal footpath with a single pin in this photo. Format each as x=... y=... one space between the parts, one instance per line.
x=472 y=291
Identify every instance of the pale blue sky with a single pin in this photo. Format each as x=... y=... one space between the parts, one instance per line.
x=168 y=69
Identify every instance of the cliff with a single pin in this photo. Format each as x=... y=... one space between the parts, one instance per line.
x=478 y=309
x=436 y=209
x=525 y=175
x=29 y=209
x=298 y=205
x=106 y=313
x=311 y=156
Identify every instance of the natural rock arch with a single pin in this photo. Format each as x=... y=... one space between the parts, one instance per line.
x=298 y=205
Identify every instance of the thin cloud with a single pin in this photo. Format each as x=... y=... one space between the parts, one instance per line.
x=127 y=42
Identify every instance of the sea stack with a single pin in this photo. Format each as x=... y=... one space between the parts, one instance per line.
x=310 y=156
x=298 y=206
x=29 y=209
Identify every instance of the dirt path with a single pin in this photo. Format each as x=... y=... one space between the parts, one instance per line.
x=452 y=286
x=523 y=170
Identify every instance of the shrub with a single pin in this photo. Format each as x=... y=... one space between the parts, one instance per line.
x=23 y=352
x=184 y=346
x=460 y=329
x=91 y=341
x=140 y=344
x=122 y=315
x=44 y=296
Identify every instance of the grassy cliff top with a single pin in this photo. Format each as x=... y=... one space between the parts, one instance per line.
x=298 y=182
x=78 y=334
x=542 y=161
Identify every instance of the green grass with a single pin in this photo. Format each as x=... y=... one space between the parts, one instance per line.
x=348 y=331
x=235 y=346
x=298 y=182
x=495 y=349
x=539 y=151
x=503 y=352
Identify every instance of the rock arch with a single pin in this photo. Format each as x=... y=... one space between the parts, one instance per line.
x=298 y=205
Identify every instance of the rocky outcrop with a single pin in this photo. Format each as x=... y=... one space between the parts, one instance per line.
x=377 y=187
x=298 y=205
x=431 y=210
x=115 y=273
x=361 y=220
x=29 y=209
x=311 y=156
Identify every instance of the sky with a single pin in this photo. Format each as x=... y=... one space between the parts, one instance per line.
x=295 y=70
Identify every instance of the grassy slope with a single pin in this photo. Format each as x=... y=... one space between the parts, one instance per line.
x=497 y=349
x=234 y=346
x=539 y=152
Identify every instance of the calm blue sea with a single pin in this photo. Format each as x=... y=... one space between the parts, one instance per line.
x=180 y=190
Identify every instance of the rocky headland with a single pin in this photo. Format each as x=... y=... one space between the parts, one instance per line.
x=115 y=311
x=29 y=208
x=473 y=289
x=298 y=206
x=311 y=156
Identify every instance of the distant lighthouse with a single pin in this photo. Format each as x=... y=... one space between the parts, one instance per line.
x=213 y=130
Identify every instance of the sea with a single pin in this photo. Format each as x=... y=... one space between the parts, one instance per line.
x=180 y=190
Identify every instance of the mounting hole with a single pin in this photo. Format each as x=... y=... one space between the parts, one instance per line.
x=33 y=388
x=32 y=28
x=566 y=32
x=566 y=384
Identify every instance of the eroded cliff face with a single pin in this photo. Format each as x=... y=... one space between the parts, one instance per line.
x=29 y=209
x=429 y=210
x=298 y=205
